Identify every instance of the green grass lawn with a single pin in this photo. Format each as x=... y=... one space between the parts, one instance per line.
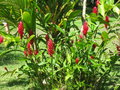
x=8 y=82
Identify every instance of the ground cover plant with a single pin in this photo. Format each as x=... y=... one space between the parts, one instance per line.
x=64 y=47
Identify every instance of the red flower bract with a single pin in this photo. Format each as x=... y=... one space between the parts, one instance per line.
x=50 y=47
x=85 y=28
x=81 y=36
x=107 y=20
x=91 y=57
x=77 y=60
x=47 y=37
x=20 y=29
x=94 y=46
x=95 y=10
x=97 y=2
x=25 y=53
x=30 y=52
x=1 y=39
x=118 y=48
x=36 y=52
x=28 y=46
x=30 y=33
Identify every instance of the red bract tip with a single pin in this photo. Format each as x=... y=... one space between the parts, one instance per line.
x=85 y=28
x=28 y=46
x=94 y=46
x=81 y=36
x=30 y=32
x=118 y=48
x=107 y=20
x=97 y=2
x=36 y=52
x=50 y=46
x=30 y=52
x=25 y=53
x=20 y=29
x=95 y=10
x=47 y=37
x=77 y=60
x=91 y=57
x=1 y=39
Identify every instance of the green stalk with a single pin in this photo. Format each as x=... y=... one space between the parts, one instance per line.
x=52 y=70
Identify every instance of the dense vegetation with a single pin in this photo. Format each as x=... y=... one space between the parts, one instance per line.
x=67 y=44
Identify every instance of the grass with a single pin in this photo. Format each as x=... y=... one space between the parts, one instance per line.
x=8 y=82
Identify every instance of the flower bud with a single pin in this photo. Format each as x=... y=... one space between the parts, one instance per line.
x=77 y=60
x=1 y=39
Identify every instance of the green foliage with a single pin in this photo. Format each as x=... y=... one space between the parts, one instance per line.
x=57 y=19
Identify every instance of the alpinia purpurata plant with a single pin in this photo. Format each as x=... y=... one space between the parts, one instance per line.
x=107 y=20
x=21 y=29
x=95 y=10
x=85 y=28
x=1 y=39
x=63 y=48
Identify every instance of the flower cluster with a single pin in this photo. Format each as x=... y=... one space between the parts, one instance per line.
x=85 y=28
x=50 y=47
x=95 y=10
x=21 y=29
x=1 y=39
x=106 y=20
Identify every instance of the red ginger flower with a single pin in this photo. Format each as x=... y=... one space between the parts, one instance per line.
x=29 y=49
x=118 y=49
x=107 y=20
x=91 y=57
x=1 y=39
x=36 y=52
x=95 y=10
x=20 y=29
x=77 y=60
x=25 y=53
x=85 y=28
x=30 y=33
x=47 y=37
x=97 y=2
x=94 y=46
x=81 y=36
x=30 y=52
x=50 y=46
x=28 y=46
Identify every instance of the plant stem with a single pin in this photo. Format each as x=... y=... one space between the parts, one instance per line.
x=84 y=10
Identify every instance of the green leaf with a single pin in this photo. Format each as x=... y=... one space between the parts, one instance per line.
x=105 y=35
x=60 y=29
x=30 y=38
x=116 y=10
x=74 y=14
x=47 y=17
x=101 y=9
x=68 y=57
x=26 y=17
x=68 y=76
x=42 y=63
